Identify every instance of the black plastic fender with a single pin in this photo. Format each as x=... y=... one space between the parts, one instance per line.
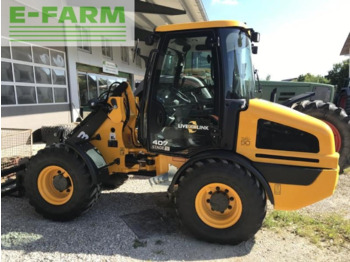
x=223 y=155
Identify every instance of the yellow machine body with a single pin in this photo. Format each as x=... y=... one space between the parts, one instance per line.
x=198 y=127
x=286 y=196
x=126 y=137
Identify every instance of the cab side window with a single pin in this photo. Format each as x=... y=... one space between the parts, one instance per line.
x=183 y=108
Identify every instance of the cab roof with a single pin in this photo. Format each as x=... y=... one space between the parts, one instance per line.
x=200 y=25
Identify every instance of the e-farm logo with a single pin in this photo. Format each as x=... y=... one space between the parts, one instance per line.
x=68 y=22
x=86 y=14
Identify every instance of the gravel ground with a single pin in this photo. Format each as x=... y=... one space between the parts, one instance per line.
x=103 y=233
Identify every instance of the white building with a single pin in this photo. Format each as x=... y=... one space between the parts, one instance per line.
x=48 y=86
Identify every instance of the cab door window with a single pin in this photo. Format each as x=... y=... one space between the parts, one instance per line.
x=183 y=111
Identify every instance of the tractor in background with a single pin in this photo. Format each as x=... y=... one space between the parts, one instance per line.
x=342 y=97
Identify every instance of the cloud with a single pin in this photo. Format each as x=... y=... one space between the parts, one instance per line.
x=225 y=2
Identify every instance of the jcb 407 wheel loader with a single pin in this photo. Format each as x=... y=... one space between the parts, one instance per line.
x=196 y=113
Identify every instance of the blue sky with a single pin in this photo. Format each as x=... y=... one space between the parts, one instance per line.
x=297 y=36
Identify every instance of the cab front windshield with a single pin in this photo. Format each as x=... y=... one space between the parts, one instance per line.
x=237 y=64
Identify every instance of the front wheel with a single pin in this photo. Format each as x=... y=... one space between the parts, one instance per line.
x=221 y=201
x=59 y=184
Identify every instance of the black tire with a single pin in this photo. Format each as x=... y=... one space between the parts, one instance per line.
x=337 y=117
x=37 y=136
x=84 y=192
x=253 y=200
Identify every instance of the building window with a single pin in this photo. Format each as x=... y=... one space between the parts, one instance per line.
x=5 y=49
x=32 y=75
x=85 y=48
x=107 y=50
x=124 y=54
x=26 y=94
x=8 y=96
x=41 y=55
x=22 y=53
x=45 y=94
x=92 y=85
x=84 y=45
x=6 y=72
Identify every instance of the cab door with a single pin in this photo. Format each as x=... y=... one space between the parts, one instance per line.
x=183 y=99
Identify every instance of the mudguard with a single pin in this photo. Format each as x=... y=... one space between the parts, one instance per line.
x=91 y=157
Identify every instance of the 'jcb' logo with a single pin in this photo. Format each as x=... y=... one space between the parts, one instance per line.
x=83 y=135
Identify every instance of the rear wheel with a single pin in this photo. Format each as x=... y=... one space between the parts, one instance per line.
x=220 y=201
x=59 y=184
x=337 y=120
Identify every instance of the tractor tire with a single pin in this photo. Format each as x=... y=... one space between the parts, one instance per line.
x=59 y=185
x=220 y=201
x=344 y=102
x=338 y=121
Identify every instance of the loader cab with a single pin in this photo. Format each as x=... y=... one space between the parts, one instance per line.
x=197 y=82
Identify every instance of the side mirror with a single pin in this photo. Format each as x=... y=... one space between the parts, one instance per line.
x=255 y=37
x=254 y=50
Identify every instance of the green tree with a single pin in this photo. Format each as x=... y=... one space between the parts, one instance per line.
x=339 y=73
x=312 y=78
x=268 y=77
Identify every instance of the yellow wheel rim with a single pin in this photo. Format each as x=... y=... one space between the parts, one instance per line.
x=218 y=205
x=47 y=188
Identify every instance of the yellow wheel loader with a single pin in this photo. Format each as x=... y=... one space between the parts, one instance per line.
x=196 y=115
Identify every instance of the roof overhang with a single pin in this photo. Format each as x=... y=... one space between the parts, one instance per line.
x=346 y=48
x=150 y=14
x=151 y=8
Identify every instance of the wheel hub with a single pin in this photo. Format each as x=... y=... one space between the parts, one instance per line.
x=61 y=183
x=218 y=205
x=55 y=185
x=219 y=202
